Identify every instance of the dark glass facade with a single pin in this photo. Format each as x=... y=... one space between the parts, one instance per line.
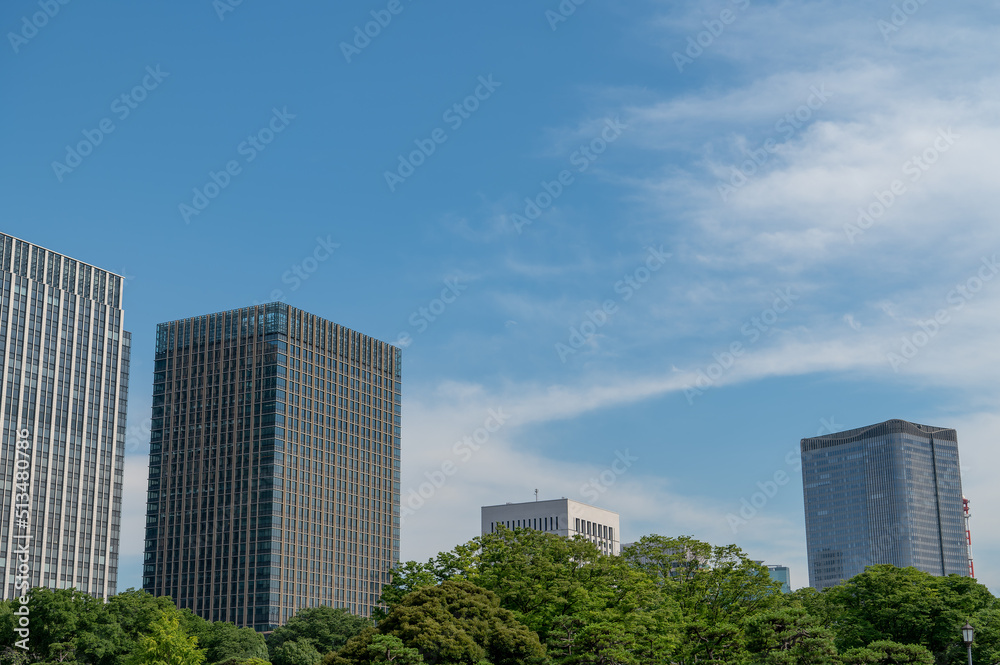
x=273 y=466
x=65 y=361
x=889 y=493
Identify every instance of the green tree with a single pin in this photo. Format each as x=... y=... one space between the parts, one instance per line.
x=406 y=577
x=907 y=606
x=717 y=589
x=59 y=617
x=224 y=641
x=166 y=644
x=885 y=652
x=624 y=619
x=324 y=628
x=390 y=650
x=13 y=656
x=788 y=636
x=299 y=651
x=7 y=624
x=986 y=646
x=462 y=562
x=371 y=648
x=585 y=606
x=812 y=601
x=538 y=576
x=125 y=618
x=71 y=626
x=455 y=622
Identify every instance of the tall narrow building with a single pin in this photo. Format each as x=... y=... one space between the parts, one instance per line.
x=888 y=493
x=273 y=466
x=65 y=361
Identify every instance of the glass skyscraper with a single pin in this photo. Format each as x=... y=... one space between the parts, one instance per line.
x=65 y=362
x=889 y=493
x=273 y=466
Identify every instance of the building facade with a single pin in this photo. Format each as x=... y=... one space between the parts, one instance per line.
x=563 y=517
x=782 y=575
x=273 y=466
x=65 y=360
x=889 y=493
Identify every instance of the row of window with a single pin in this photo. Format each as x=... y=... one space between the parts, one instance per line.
x=551 y=524
x=588 y=528
x=537 y=523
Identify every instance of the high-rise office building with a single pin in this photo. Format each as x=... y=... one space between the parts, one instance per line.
x=563 y=517
x=273 y=465
x=782 y=575
x=65 y=361
x=889 y=493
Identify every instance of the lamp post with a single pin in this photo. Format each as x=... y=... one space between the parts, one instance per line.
x=968 y=633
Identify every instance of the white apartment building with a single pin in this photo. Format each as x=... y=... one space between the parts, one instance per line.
x=563 y=517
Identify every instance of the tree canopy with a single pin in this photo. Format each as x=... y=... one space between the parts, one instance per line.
x=314 y=630
x=524 y=597
x=680 y=601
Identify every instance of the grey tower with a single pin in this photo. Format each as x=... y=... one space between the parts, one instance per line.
x=273 y=466
x=889 y=493
x=65 y=361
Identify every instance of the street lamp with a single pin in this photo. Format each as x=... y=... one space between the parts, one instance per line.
x=968 y=633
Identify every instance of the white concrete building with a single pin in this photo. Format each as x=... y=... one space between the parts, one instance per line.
x=563 y=517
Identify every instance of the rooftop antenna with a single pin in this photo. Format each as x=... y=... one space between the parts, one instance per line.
x=536 y=495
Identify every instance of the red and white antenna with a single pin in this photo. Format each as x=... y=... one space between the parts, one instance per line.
x=968 y=535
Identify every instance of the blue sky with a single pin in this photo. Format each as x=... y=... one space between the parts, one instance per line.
x=682 y=234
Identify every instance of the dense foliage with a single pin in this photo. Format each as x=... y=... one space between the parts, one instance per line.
x=132 y=628
x=529 y=598
x=682 y=601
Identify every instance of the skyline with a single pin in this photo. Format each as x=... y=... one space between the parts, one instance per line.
x=618 y=256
